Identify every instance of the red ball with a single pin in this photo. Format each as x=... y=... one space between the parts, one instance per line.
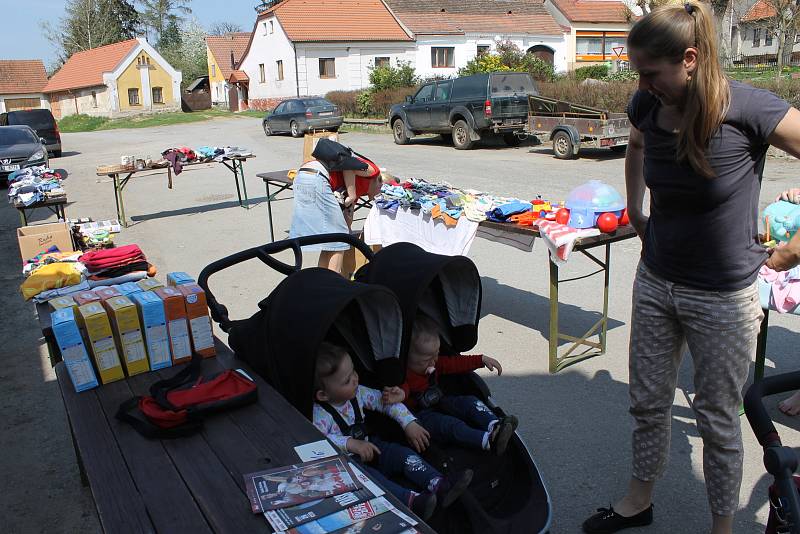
x=562 y=216
x=607 y=222
x=624 y=219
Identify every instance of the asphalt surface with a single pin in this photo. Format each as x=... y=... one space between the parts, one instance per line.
x=575 y=423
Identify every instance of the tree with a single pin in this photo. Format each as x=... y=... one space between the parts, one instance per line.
x=170 y=37
x=157 y=14
x=508 y=57
x=88 y=24
x=224 y=27
x=184 y=47
x=783 y=24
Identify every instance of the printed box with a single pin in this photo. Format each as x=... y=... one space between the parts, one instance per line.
x=128 y=333
x=179 y=278
x=154 y=324
x=199 y=321
x=94 y=319
x=73 y=351
x=128 y=288
x=177 y=326
x=40 y=237
x=85 y=297
x=107 y=292
x=59 y=303
x=149 y=284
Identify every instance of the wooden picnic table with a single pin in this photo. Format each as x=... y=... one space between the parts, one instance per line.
x=580 y=347
x=120 y=179
x=191 y=484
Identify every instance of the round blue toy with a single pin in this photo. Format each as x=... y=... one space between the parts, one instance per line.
x=588 y=201
x=783 y=219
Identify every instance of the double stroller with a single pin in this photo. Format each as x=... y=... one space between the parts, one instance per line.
x=372 y=317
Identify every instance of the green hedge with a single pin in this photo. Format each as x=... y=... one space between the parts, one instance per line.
x=597 y=72
x=371 y=104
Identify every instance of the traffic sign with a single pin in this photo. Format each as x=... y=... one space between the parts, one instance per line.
x=618 y=50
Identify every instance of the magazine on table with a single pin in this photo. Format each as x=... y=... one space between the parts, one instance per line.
x=345 y=518
x=390 y=522
x=285 y=518
x=291 y=485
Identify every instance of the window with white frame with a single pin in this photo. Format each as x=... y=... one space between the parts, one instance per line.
x=381 y=61
x=327 y=67
x=158 y=95
x=262 y=74
x=767 y=38
x=272 y=26
x=756 y=37
x=94 y=99
x=279 y=68
x=483 y=49
x=213 y=70
x=133 y=96
x=443 y=57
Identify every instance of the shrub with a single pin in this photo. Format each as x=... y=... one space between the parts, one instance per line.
x=389 y=77
x=346 y=101
x=611 y=96
x=382 y=101
x=623 y=76
x=510 y=58
x=789 y=90
x=598 y=72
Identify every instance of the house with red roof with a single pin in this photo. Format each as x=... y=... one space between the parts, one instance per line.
x=125 y=78
x=224 y=52
x=754 y=35
x=596 y=30
x=22 y=82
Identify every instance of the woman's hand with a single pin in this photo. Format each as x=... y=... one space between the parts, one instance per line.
x=790 y=195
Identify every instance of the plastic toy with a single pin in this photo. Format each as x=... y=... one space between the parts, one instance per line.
x=588 y=201
x=562 y=216
x=607 y=222
x=782 y=220
x=624 y=220
x=541 y=207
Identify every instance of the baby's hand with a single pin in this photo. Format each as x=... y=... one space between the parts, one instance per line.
x=393 y=395
x=492 y=364
x=418 y=437
x=364 y=449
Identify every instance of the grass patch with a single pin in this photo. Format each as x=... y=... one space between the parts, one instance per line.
x=252 y=113
x=85 y=123
x=761 y=75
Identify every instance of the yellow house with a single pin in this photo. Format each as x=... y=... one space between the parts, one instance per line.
x=224 y=52
x=125 y=78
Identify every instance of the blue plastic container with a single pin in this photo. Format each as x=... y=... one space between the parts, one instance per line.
x=588 y=201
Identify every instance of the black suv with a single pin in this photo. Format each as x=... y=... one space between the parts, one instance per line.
x=42 y=122
x=467 y=108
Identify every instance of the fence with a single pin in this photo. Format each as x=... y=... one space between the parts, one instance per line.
x=760 y=63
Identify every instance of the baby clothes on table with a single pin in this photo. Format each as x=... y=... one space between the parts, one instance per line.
x=784 y=288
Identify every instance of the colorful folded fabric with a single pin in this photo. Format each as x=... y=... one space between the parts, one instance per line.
x=100 y=260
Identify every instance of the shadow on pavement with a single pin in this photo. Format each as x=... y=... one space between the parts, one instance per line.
x=254 y=201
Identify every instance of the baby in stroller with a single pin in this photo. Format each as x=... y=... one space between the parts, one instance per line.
x=450 y=419
x=337 y=413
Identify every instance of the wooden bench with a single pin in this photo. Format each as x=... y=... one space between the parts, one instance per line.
x=192 y=484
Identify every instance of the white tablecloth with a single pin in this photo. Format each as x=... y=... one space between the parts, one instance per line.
x=384 y=228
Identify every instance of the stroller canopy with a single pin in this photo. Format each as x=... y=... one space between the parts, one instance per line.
x=316 y=305
x=446 y=288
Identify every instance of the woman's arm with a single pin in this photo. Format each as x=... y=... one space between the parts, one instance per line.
x=634 y=180
x=787 y=133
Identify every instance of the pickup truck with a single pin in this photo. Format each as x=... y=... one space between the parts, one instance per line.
x=467 y=108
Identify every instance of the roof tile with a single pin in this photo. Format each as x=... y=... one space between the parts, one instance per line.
x=759 y=11
x=221 y=47
x=22 y=76
x=86 y=68
x=593 y=10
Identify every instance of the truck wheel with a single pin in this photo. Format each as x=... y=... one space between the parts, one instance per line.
x=461 y=135
x=399 y=131
x=511 y=139
x=562 y=146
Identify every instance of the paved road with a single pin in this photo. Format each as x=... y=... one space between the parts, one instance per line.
x=575 y=422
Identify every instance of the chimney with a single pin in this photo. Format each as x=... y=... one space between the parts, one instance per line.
x=233 y=61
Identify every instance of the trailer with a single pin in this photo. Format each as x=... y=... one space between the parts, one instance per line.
x=571 y=126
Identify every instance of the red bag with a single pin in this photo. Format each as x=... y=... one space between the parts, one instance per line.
x=178 y=405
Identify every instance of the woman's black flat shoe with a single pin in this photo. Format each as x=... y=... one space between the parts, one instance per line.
x=607 y=521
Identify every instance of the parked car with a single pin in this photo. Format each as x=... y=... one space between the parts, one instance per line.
x=467 y=108
x=20 y=147
x=300 y=115
x=42 y=122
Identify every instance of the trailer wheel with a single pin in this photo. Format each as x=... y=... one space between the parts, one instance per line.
x=562 y=146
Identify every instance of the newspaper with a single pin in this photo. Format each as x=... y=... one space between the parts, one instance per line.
x=296 y=484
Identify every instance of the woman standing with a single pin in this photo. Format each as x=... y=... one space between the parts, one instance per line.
x=335 y=173
x=698 y=142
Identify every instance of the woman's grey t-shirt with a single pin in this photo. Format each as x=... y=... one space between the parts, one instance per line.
x=704 y=232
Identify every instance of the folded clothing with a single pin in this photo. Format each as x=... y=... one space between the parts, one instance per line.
x=52 y=276
x=100 y=260
x=122 y=270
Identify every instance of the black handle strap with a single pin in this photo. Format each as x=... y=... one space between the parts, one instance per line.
x=188 y=374
x=344 y=428
x=147 y=429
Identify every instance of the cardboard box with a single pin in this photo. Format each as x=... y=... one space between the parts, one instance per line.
x=128 y=333
x=59 y=303
x=149 y=284
x=179 y=278
x=177 y=327
x=94 y=319
x=40 y=237
x=154 y=324
x=107 y=293
x=73 y=350
x=199 y=321
x=85 y=297
x=311 y=139
x=128 y=288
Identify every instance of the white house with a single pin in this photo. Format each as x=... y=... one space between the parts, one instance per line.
x=450 y=33
x=22 y=82
x=311 y=47
x=596 y=30
x=754 y=35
